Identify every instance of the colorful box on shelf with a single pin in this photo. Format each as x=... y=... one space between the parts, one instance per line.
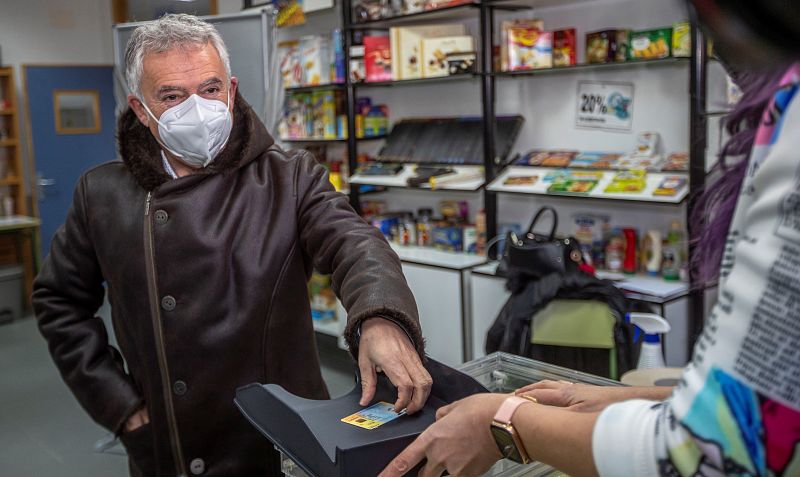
x=377 y=58
x=436 y=50
x=406 y=46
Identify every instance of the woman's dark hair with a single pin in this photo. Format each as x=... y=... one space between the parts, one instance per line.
x=714 y=207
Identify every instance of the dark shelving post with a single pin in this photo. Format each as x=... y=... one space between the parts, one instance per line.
x=698 y=141
x=489 y=116
x=350 y=96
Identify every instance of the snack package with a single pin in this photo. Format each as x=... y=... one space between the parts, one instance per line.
x=647 y=144
x=377 y=58
x=337 y=68
x=520 y=180
x=358 y=71
x=291 y=69
x=650 y=44
x=677 y=161
x=505 y=26
x=628 y=182
x=545 y=158
x=564 y=47
x=462 y=63
x=315 y=54
x=596 y=160
x=601 y=46
x=529 y=48
x=623 y=46
x=435 y=51
x=572 y=186
x=681 y=40
x=670 y=186
x=323 y=114
x=643 y=163
x=322 y=298
x=449 y=239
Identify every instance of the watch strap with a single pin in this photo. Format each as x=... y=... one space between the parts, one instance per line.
x=508 y=408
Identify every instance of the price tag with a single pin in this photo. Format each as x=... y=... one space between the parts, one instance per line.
x=605 y=105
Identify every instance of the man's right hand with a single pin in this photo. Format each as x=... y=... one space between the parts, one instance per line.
x=136 y=420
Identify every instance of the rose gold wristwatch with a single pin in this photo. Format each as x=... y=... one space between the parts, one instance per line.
x=505 y=436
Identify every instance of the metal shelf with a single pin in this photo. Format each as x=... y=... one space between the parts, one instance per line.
x=318 y=87
x=594 y=66
x=325 y=141
x=418 y=81
x=456 y=11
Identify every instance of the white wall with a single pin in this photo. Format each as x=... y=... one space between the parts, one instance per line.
x=58 y=32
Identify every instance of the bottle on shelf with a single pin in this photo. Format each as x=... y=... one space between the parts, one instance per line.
x=615 y=251
x=672 y=257
x=424 y=227
x=631 y=251
x=335 y=175
x=651 y=252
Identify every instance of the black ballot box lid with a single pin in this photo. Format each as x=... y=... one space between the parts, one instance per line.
x=311 y=432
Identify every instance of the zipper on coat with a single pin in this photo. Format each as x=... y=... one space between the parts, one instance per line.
x=158 y=331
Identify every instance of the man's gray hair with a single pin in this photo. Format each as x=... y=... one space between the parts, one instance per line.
x=169 y=32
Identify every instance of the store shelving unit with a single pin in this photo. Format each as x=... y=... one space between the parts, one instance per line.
x=494 y=175
x=18 y=232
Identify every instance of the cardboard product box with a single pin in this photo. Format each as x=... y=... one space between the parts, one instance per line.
x=601 y=46
x=295 y=116
x=377 y=58
x=338 y=57
x=623 y=46
x=317 y=436
x=435 y=51
x=315 y=53
x=681 y=40
x=651 y=44
x=324 y=114
x=505 y=26
x=565 y=47
x=291 y=68
x=529 y=49
x=358 y=72
x=407 y=46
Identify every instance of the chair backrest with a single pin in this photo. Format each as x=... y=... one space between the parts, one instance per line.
x=577 y=324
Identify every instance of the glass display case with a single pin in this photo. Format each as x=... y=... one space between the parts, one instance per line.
x=504 y=373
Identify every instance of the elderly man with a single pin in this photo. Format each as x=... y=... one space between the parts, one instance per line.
x=205 y=235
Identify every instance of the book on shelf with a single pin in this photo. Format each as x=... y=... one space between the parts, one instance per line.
x=406 y=47
x=435 y=50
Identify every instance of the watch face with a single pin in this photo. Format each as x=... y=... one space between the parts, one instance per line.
x=505 y=442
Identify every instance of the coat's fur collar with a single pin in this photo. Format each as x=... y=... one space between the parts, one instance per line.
x=141 y=153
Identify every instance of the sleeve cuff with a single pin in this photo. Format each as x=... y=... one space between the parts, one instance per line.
x=624 y=437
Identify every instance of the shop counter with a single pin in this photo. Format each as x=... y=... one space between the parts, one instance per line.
x=503 y=373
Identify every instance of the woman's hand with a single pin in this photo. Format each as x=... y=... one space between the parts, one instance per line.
x=460 y=441
x=588 y=398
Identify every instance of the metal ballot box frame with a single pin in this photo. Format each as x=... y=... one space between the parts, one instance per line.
x=504 y=373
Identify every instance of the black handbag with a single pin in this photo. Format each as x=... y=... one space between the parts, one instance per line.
x=536 y=255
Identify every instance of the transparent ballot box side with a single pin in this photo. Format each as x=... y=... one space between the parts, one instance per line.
x=503 y=373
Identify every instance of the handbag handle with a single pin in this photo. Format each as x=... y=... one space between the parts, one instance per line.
x=544 y=209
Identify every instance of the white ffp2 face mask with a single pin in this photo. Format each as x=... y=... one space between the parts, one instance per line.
x=196 y=130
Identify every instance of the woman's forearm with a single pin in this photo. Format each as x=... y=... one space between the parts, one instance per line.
x=652 y=393
x=558 y=437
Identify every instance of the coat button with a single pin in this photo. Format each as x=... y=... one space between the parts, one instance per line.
x=179 y=387
x=197 y=466
x=168 y=303
x=161 y=216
